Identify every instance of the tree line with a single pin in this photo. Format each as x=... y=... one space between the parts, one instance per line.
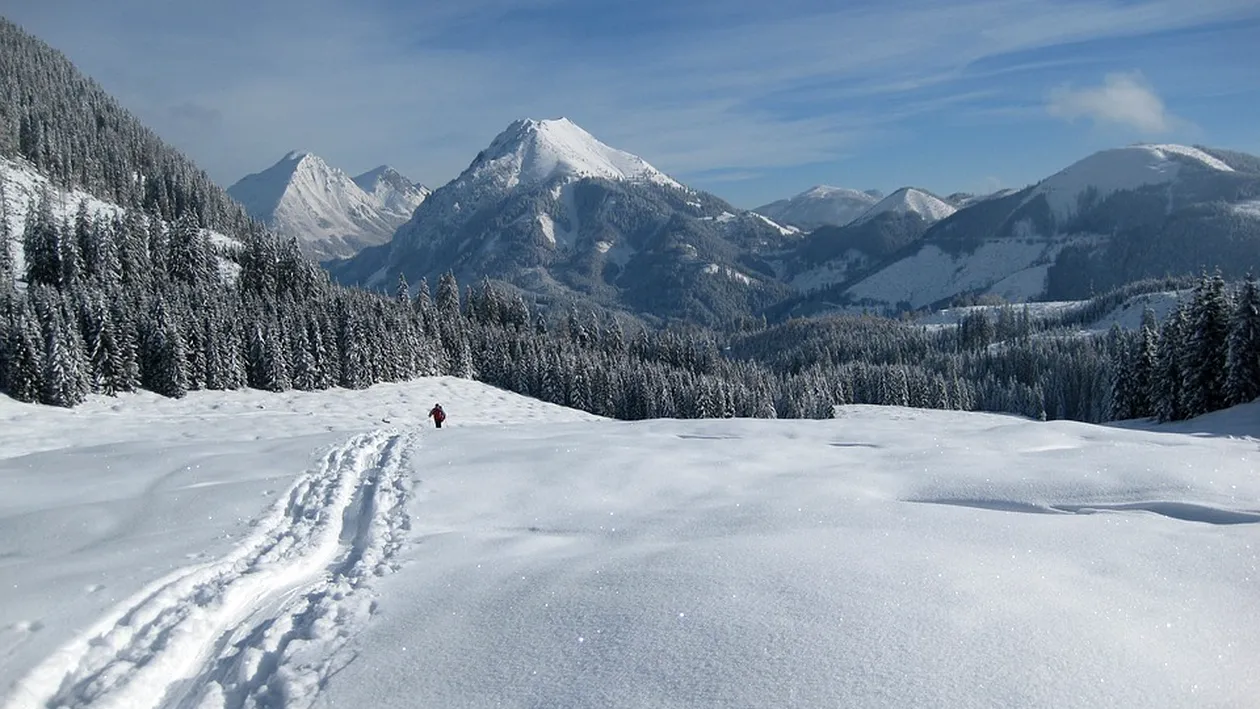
x=1205 y=356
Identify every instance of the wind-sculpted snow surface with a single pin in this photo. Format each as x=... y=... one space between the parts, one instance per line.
x=337 y=527
x=528 y=555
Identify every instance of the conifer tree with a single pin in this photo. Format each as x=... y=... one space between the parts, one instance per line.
x=448 y=304
x=1242 y=383
x=7 y=276
x=63 y=380
x=1167 y=383
x=26 y=368
x=1205 y=355
x=40 y=242
x=163 y=364
x=402 y=292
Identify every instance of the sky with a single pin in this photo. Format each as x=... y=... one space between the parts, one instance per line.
x=749 y=99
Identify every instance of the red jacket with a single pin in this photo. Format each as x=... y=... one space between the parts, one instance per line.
x=438 y=414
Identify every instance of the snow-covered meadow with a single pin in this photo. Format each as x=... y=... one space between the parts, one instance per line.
x=333 y=549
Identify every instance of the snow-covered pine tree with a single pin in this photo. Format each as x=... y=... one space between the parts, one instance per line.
x=64 y=382
x=448 y=304
x=189 y=258
x=1205 y=354
x=402 y=292
x=1242 y=383
x=354 y=356
x=125 y=364
x=1143 y=364
x=162 y=363
x=1166 y=384
x=158 y=249
x=40 y=239
x=305 y=375
x=1124 y=386
x=131 y=237
x=26 y=370
x=7 y=275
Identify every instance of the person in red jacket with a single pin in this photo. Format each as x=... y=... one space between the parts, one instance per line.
x=438 y=415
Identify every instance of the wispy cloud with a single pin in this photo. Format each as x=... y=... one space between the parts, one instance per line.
x=1122 y=99
x=703 y=87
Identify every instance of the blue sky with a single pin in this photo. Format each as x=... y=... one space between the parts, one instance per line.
x=750 y=99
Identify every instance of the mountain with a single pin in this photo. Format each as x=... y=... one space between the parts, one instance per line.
x=835 y=254
x=552 y=210
x=328 y=213
x=1116 y=216
x=966 y=199
x=821 y=206
x=397 y=196
x=910 y=201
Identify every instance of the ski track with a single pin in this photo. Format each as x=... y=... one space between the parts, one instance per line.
x=263 y=626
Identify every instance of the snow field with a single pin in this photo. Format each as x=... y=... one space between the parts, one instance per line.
x=529 y=555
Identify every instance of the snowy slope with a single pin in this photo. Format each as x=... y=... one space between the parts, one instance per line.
x=1120 y=169
x=818 y=206
x=301 y=196
x=24 y=186
x=533 y=151
x=251 y=549
x=910 y=200
x=397 y=196
x=550 y=209
x=1127 y=315
x=1013 y=269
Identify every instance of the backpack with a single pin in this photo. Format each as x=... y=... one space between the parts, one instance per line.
x=439 y=415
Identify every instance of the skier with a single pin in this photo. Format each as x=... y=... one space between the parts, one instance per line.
x=438 y=415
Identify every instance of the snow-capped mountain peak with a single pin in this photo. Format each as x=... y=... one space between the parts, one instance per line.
x=394 y=192
x=532 y=151
x=1118 y=169
x=323 y=208
x=820 y=205
x=910 y=200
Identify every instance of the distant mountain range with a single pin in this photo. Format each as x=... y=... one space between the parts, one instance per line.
x=821 y=206
x=1116 y=216
x=552 y=210
x=329 y=213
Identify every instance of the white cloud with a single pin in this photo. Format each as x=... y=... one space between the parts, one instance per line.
x=1123 y=98
x=425 y=85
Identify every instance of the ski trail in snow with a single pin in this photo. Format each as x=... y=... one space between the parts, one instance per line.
x=337 y=527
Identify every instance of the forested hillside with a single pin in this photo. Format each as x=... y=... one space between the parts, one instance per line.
x=143 y=299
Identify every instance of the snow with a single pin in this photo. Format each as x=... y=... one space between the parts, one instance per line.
x=329 y=213
x=1119 y=169
x=1250 y=208
x=533 y=151
x=299 y=549
x=931 y=274
x=714 y=269
x=784 y=230
x=396 y=195
x=820 y=205
x=1128 y=315
x=553 y=233
x=909 y=200
x=836 y=270
x=1193 y=153
x=23 y=188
